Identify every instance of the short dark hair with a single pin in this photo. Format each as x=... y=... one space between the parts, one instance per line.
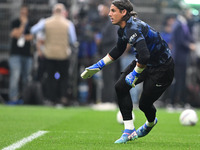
x=125 y=4
x=25 y=6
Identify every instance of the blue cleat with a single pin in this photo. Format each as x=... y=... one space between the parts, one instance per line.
x=144 y=130
x=128 y=135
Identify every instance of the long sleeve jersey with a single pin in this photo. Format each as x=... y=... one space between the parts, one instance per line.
x=151 y=49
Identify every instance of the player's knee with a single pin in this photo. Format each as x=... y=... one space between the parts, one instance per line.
x=118 y=87
x=142 y=107
x=146 y=107
x=122 y=87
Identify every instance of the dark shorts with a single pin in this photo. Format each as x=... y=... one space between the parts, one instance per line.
x=155 y=80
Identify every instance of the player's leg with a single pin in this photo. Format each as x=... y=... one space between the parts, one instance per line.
x=26 y=69
x=149 y=95
x=63 y=87
x=50 y=84
x=155 y=84
x=15 y=71
x=125 y=106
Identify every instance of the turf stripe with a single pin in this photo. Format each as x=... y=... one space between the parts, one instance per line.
x=25 y=140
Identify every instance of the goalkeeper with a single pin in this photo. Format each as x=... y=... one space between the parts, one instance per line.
x=154 y=67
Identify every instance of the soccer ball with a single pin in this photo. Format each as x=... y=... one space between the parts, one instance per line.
x=188 y=117
x=120 y=119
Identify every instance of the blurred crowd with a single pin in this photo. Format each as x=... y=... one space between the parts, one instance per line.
x=47 y=57
x=178 y=33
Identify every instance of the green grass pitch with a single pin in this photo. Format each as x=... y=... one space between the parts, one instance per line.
x=81 y=128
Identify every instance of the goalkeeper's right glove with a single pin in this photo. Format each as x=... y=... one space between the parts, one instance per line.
x=132 y=77
x=90 y=71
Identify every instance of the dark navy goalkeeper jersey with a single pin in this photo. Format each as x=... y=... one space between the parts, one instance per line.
x=137 y=30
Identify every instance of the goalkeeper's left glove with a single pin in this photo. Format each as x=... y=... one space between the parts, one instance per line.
x=90 y=71
x=132 y=77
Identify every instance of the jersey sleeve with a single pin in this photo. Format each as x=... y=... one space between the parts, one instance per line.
x=137 y=40
x=134 y=36
x=38 y=26
x=15 y=24
x=119 y=49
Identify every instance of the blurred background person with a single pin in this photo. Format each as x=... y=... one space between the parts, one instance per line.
x=182 y=44
x=106 y=40
x=40 y=46
x=166 y=32
x=86 y=27
x=20 y=61
x=33 y=93
x=59 y=34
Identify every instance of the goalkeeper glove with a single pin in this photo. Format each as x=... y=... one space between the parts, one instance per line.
x=132 y=77
x=90 y=71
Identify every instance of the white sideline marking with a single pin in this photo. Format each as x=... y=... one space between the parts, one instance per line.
x=25 y=140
